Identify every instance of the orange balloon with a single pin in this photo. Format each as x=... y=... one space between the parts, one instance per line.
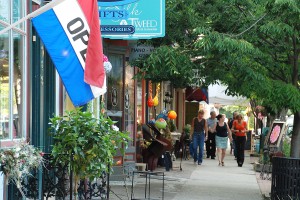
x=172 y=114
x=119 y=162
x=150 y=102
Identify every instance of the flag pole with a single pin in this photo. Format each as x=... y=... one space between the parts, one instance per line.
x=33 y=14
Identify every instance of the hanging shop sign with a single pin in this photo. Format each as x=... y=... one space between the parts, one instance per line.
x=139 y=51
x=132 y=19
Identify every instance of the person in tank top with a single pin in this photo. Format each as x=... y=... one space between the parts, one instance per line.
x=222 y=134
x=199 y=135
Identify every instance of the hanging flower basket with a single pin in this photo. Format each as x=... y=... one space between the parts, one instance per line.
x=18 y=162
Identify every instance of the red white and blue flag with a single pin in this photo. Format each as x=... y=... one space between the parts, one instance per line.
x=70 y=32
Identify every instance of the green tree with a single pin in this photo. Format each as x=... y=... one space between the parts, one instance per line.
x=252 y=46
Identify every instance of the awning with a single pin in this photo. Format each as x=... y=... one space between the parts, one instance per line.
x=218 y=96
x=197 y=94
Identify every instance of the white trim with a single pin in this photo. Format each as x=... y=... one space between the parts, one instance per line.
x=5 y=24
x=24 y=78
x=98 y=107
x=11 y=75
x=57 y=93
x=2 y=184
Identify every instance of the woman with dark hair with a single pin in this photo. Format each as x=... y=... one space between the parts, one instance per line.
x=239 y=127
x=222 y=132
x=199 y=134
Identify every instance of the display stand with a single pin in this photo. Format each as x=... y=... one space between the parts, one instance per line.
x=147 y=175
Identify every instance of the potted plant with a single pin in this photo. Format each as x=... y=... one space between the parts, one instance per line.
x=18 y=162
x=92 y=142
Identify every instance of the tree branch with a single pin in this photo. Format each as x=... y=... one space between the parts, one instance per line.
x=250 y=27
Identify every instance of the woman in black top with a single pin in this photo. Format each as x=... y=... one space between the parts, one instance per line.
x=222 y=133
x=199 y=135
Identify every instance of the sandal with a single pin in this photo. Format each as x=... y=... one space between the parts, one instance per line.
x=219 y=163
x=223 y=164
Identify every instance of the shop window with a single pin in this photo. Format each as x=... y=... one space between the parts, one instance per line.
x=114 y=96
x=12 y=67
x=129 y=103
x=4 y=11
x=4 y=88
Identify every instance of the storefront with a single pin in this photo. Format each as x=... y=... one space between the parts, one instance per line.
x=31 y=91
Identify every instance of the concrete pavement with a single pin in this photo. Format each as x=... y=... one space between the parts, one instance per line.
x=207 y=181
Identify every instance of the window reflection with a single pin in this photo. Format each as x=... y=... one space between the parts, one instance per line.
x=129 y=101
x=12 y=64
x=139 y=104
x=4 y=88
x=115 y=89
x=17 y=86
x=4 y=10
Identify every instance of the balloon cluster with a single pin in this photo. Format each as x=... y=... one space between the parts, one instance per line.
x=160 y=121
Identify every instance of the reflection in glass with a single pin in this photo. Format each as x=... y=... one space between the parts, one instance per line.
x=115 y=89
x=17 y=85
x=129 y=101
x=4 y=88
x=17 y=10
x=4 y=10
x=139 y=104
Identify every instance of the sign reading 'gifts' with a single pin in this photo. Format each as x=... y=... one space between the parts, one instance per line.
x=132 y=19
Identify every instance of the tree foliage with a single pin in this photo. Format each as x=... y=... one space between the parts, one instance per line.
x=252 y=46
x=166 y=64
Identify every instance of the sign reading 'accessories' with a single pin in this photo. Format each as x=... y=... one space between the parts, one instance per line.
x=132 y=19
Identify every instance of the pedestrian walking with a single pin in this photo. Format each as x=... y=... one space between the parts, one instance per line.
x=211 y=138
x=222 y=134
x=230 y=124
x=239 y=127
x=199 y=135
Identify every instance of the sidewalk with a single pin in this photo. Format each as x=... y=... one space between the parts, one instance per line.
x=206 y=181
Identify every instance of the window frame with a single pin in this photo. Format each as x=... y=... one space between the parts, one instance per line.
x=7 y=142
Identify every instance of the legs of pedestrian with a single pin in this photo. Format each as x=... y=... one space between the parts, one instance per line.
x=219 y=155
x=223 y=152
x=234 y=148
x=213 y=146
x=195 y=145
x=167 y=161
x=240 y=147
x=207 y=147
x=201 y=148
x=243 y=150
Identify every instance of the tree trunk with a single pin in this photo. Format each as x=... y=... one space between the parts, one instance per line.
x=281 y=115
x=295 y=143
x=270 y=120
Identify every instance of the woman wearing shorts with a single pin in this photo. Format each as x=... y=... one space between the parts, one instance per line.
x=222 y=134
